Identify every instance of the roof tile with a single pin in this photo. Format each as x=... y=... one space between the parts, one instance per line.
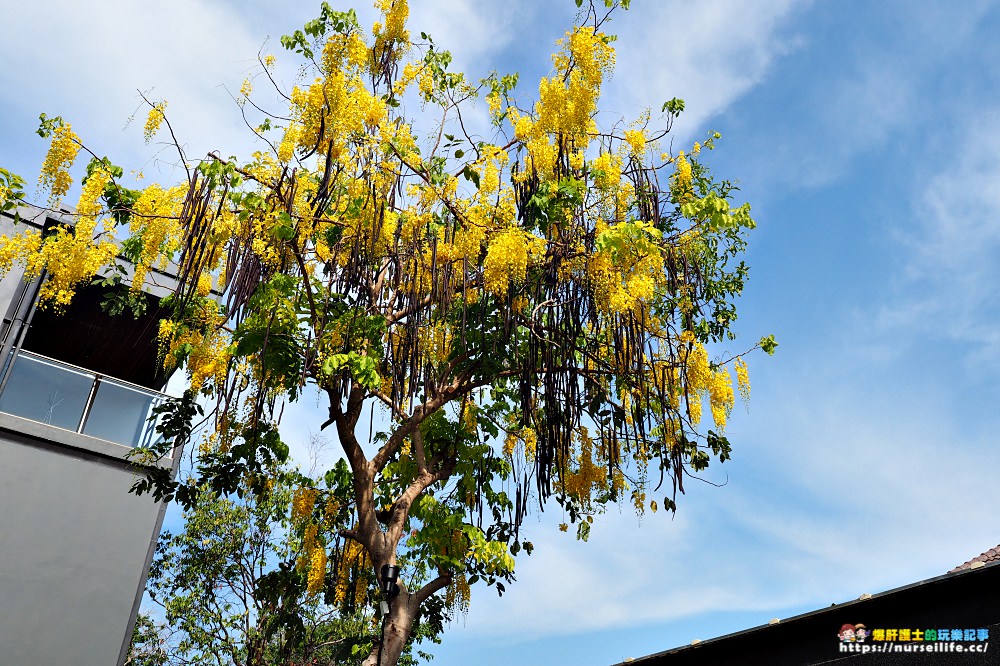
x=991 y=555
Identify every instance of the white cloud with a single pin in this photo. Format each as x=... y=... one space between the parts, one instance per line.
x=474 y=32
x=708 y=53
x=836 y=492
x=86 y=62
x=945 y=286
x=859 y=98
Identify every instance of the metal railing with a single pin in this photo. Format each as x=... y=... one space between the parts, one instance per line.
x=59 y=394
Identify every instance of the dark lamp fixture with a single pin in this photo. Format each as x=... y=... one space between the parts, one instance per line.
x=390 y=574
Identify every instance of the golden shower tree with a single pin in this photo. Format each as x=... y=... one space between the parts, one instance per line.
x=531 y=312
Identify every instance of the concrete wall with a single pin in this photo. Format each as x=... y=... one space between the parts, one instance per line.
x=74 y=546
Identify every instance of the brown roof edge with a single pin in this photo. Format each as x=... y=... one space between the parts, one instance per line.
x=991 y=555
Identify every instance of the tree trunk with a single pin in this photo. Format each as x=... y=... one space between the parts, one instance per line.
x=398 y=626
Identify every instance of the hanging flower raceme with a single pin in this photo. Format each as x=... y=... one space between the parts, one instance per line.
x=62 y=153
x=352 y=568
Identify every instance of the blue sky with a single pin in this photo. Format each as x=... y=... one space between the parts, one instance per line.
x=867 y=138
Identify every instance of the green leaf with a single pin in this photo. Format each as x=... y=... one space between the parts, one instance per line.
x=48 y=125
x=471 y=174
x=673 y=106
x=768 y=344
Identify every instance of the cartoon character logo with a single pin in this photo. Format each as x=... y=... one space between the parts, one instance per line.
x=861 y=633
x=846 y=634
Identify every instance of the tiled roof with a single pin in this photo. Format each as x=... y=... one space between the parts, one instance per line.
x=992 y=555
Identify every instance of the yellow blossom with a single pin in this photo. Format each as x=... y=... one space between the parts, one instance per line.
x=681 y=184
x=154 y=120
x=62 y=153
x=743 y=379
x=317 y=570
x=636 y=141
x=720 y=397
x=506 y=261
x=302 y=503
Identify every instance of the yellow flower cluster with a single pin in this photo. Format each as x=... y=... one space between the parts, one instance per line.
x=698 y=377
x=312 y=559
x=506 y=261
x=288 y=142
x=493 y=101
x=204 y=287
x=155 y=119
x=638 y=289
x=489 y=166
x=209 y=443
x=437 y=342
x=636 y=141
x=154 y=220
x=701 y=379
x=308 y=544
x=209 y=360
x=587 y=470
x=89 y=207
x=409 y=74
x=353 y=563
x=62 y=153
x=526 y=435
x=303 y=501
x=509 y=444
x=391 y=33
x=210 y=351
x=70 y=256
x=458 y=594
x=743 y=379
x=337 y=108
x=639 y=500
x=607 y=170
x=330 y=512
x=425 y=83
x=317 y=570
x=681 y=184
x=566 y=103
x=720 y=397
x=345 y=50
x=624 y=278
x=530 y=443
x=568 y=100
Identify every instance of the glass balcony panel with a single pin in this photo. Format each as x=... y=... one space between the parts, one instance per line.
x=47 y=392
x=56 y=393
x=120 y=413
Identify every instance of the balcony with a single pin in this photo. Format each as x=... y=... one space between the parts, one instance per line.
x=65 y=396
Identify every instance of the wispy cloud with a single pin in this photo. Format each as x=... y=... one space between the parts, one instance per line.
x=836 y=492
x=708 y=53
x=86 y=62
x=950 y=247
x=869 y=77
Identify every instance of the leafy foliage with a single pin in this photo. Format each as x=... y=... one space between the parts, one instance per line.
x=231 y=591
